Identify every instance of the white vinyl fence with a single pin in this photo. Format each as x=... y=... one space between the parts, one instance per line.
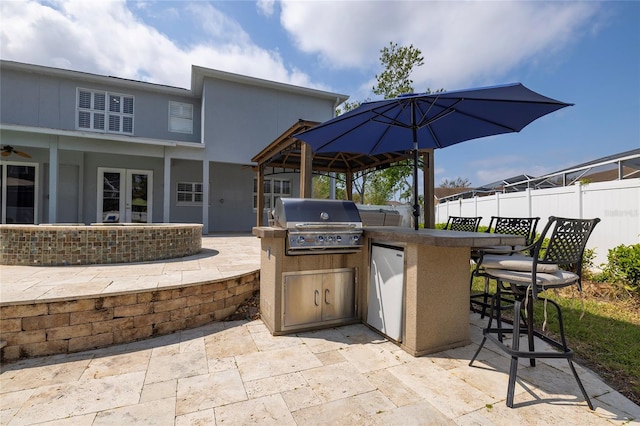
x=616 y=203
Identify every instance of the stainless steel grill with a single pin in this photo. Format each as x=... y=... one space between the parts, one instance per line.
x=319 y=226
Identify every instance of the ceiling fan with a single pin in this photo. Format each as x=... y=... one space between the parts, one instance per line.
x=8 y=150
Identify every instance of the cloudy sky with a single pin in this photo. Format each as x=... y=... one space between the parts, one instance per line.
x=587 y=53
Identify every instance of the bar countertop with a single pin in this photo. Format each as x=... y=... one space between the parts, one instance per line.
x=441 y=238
x=429 y=237
x=269 y=232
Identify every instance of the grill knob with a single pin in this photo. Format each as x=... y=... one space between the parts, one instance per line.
x=338 y=238
x=355 y=238
x=320 y=239
x=329 y=238
x=300 y=240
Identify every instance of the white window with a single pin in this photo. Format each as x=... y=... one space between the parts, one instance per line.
x=104 y=112
x=189 y=193
x=273 y=189
x=180 y=117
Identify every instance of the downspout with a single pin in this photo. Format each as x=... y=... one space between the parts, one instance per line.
x=205 y=166
x=335 y=105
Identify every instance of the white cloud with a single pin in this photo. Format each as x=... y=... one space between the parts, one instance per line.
x=105 y=37
x=462 y=42
x=217 y=25
x=266 y=7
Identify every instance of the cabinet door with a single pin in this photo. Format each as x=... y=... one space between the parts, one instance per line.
x=338 y=295
x=302 y=299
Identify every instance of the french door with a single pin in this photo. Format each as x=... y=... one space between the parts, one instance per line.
x=124 y=195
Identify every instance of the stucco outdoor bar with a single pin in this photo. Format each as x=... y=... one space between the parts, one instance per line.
x=435 y=314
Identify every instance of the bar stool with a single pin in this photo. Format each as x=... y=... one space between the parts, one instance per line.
x=524 y=226
x=557 y=265
x=461 y=223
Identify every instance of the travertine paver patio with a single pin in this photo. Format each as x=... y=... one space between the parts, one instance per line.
x=238 y=373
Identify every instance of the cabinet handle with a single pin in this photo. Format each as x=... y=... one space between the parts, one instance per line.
x=326 y=293
x=315 y=297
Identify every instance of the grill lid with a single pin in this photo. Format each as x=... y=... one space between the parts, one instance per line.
x=295 y=212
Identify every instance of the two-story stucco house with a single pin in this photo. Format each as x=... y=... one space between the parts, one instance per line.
x=85 y=148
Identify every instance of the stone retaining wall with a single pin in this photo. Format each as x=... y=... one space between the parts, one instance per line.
x=51 y=245
x=63 y=326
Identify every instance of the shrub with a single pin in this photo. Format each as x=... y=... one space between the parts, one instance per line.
x=587 y=263
x=623 y=267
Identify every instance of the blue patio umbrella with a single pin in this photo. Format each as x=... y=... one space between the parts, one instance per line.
x=420 y=121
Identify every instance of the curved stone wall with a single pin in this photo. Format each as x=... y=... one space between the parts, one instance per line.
x=50 y=327
x=54 y=245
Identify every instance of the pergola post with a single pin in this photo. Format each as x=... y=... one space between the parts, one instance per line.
x=428 y=186
x=349 y=185
x=306 y=170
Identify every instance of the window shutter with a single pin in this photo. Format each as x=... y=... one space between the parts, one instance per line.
x=84 y=120
x=127 y=105
x=98 y=121
x=84 y=99
x=127 y=124
x=102 y=111
x=99 y=101
x=114 y=103
x=114 y=123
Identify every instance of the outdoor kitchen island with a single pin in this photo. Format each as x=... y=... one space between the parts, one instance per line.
x=435 y=315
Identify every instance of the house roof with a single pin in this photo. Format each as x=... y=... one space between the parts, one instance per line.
x=199 y=73
x=285 y=152
x=94 y=78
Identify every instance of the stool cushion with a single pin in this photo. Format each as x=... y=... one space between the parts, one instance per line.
x=517 y=262
x=558 y=278
x=501 y=249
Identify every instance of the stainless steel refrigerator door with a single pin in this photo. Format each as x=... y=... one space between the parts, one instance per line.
x=386 y=290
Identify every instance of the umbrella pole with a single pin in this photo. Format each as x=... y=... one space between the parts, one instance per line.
x=416 y=206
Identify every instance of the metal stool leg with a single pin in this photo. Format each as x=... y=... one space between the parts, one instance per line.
x=566 y=349
x=484 y=339
x=515 y=346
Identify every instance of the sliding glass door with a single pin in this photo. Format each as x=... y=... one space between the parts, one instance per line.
x=19 y=198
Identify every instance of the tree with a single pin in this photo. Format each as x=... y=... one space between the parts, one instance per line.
x=457 y=183
x=398 y=62
x=322 y=183
x=348 y=106
x=377 y=187
x=394 y=80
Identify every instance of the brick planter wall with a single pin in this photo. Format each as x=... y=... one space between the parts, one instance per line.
x=63 y=326
x=53 y=245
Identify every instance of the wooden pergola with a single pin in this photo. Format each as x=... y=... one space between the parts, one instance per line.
x=291 y=154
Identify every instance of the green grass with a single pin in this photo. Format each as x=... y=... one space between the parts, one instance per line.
x=606 y=339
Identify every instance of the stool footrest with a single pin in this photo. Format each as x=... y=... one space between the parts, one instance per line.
x=561 y=353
